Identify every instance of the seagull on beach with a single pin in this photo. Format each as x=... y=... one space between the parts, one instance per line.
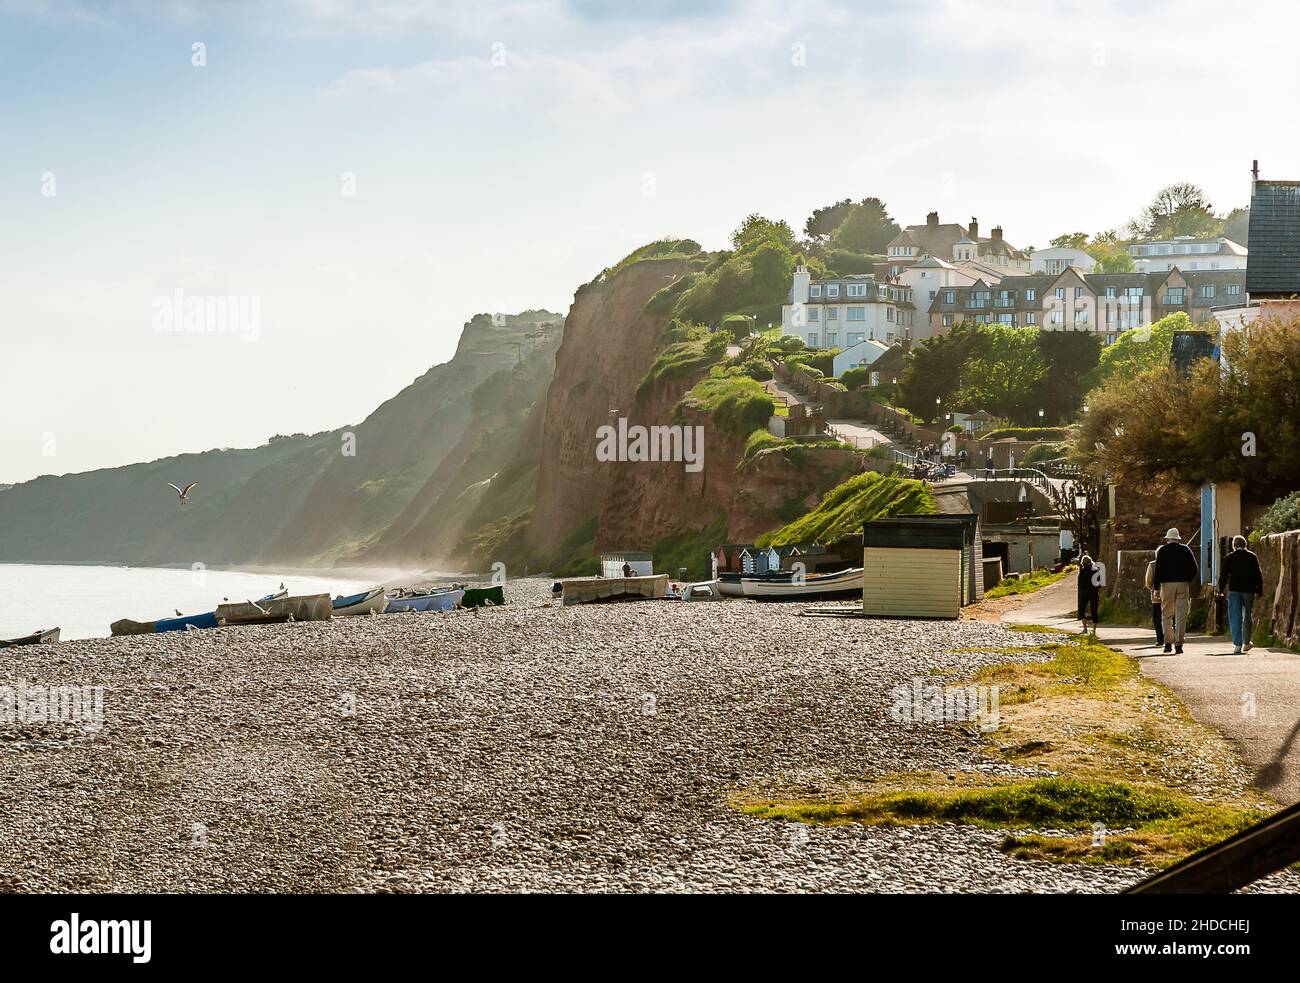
x=184 y=493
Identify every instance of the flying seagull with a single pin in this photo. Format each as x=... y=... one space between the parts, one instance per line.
x=184 y=493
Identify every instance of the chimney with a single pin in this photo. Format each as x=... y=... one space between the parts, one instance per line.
x=974 y=232
x=997 y=233
x=932 y=220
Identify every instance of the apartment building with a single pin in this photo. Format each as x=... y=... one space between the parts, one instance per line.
x=1105 y=303
x=1187 y=253
x=842 y=311
x=954 y=244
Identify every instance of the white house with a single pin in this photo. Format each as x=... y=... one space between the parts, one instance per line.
x=1186 y=253
x=1058 y=258
x=842 y=311
x=862 y=355
x=925 y=279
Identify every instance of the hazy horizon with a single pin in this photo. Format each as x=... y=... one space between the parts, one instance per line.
x=373 y=174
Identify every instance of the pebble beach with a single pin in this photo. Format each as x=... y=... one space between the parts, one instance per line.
x=527 y=748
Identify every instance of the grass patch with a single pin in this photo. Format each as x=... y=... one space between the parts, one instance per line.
x=737 y=403
x=1138 y=823
x=1035 y=581
x=848 y=505
x=1111 y=748
x=691 y=550
x=690 y=350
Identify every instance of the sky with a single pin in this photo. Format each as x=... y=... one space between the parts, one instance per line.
x=352 y=180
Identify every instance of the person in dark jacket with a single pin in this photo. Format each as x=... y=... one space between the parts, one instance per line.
x=1176 y=571
x=1089 y=592
x=1243 y=581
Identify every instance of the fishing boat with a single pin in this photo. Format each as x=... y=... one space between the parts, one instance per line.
x=312 y=607
x=36 y=638
x=370 y=601
x=786 y=585
x=445 y=599
x=478 y=597
x=207 y=619
x=594 y=590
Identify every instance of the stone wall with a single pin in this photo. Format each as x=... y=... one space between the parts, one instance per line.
x=1278 y=611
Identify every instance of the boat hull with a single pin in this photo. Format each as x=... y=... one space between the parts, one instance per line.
x=441 y=601
x=47 y=637
x=785 y=586
x=367 y=602
x=314 y=607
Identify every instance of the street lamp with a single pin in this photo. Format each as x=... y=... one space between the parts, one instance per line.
x=1040 y=417
x=1081 y=501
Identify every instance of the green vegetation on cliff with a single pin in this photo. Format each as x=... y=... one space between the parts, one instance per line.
x=737 y=403
x=847 y=506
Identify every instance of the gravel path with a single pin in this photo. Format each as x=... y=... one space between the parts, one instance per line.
x=530 y=748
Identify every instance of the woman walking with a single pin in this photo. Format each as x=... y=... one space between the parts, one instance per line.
x=1089 y=592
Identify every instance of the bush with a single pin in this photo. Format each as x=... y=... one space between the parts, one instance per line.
x=758 y=369
x=1282 y=516
x=737 y=403
x=856 y=378
x=1027 y=433
x=791 y=343
x=1044 y=452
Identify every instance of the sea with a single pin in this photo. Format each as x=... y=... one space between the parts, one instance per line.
x=84 y=600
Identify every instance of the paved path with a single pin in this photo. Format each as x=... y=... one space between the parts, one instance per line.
x=777 y=388
x=1253 y=699
x=859 y=433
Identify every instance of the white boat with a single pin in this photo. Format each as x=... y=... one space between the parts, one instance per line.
x=367 y=602
x=786 y=586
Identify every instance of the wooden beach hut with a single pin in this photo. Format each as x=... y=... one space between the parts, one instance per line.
x=921 y=566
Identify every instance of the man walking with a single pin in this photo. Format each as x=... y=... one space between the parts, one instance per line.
x=1176 y=571
x=1244 y=582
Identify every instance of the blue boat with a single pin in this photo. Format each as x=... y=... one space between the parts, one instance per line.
x=440 y=601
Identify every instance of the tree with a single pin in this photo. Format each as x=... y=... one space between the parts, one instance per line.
x=866 y=229
x=1071 y=240
x=756 y=229
x=933 y=370
x=1238 y=420
x=1069 y=357
x=1111 y=253
x=1003 y=373
x=1138 y=349
x=824 y=221
x=1179 y=210
x=1236 y=225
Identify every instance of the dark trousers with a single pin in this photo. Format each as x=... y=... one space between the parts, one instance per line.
x=1158 y=620
x=1087 y=604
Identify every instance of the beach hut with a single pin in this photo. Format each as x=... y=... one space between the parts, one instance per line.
x=921 y=566
x=746 y=561
x=611 y=564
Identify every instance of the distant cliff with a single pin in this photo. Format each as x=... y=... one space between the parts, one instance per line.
x=296 y=500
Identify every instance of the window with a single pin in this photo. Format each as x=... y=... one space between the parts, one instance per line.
x=832 y=313
x=978 y=298
x=812 y=339
x=1031 y=293
x=1004 y=298
x=814 y=314
x=1031 y=318
x=1110 y=339
x=815 y=290
x=855 y=337
x=1234 y=289
x=1078 y=293
x=1006 y=319
x=889 y=313
x=1207 y=290
x=831 y=337
x=856 y=289
x=857 y=313
x=1176 y=295
x=950 y=296
x=832 y=290
x=1060 y=293
x=947 y=320
x=1111 y=293
x=932 y=293
x=1081 y=315
x=1058 y=317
